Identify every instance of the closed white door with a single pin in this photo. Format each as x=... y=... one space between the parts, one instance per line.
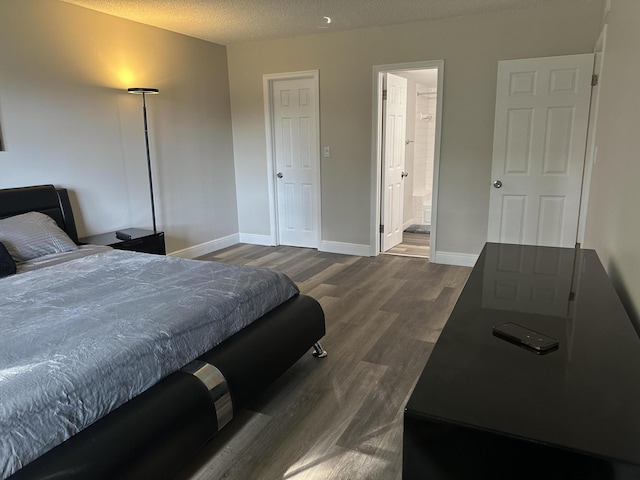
x=394 y=136
x=295 y=132
x=542 y=113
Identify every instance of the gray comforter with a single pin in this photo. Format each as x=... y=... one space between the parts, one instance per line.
x=81 y=338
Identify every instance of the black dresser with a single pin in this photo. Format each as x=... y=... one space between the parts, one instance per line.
x=487 y=408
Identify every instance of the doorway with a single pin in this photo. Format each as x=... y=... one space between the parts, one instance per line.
x=416 y=205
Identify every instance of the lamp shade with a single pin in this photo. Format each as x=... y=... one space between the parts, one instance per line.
x=141 y=90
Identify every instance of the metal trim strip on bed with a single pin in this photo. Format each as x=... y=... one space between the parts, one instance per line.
x=214 y=380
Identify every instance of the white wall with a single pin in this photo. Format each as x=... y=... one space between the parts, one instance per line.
x=613 y=218
x=470 y=46
x=66 y=119
x=419 y=153
x=409 y=155
x=424 y=148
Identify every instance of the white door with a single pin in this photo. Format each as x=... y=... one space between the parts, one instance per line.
x=542 y=113
x=394 y=122
x=295 y=132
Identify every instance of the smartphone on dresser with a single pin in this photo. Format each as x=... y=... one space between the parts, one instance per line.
x=525 y=337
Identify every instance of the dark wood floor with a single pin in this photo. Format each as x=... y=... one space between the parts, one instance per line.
x=339 y=417
x=413 y=245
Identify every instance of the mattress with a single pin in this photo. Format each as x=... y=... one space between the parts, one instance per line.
x=83 y=337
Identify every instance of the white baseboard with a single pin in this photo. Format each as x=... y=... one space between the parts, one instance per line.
x=255 y=239
x=407 y=224
x=345 y=248
x=447 y=258
x=453 y=258
x=207 y=247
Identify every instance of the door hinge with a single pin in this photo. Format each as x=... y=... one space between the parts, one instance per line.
x=384 y=94
x=381 y=228
x=594 y=80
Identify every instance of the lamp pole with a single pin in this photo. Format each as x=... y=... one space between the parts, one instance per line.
x=144 y=92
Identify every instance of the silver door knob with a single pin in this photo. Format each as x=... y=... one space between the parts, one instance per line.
x=404 y=174
x=279 y=175
x=497 y=184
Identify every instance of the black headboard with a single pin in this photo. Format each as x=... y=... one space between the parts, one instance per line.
x=40 y=198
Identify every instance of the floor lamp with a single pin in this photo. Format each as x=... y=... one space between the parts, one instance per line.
x=144 y=92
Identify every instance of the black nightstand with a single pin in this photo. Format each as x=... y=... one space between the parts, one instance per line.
x=144 y=241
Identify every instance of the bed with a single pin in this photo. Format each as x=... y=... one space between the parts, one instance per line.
x=116 y=364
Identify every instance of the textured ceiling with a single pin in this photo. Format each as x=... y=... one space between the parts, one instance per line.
x=236 y=21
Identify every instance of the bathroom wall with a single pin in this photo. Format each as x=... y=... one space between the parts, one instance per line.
x=425 y=122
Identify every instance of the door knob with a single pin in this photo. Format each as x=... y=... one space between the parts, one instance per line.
x=405 y=174
x=497 y=184
x=279 y=175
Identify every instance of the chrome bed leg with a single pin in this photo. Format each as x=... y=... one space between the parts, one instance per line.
x=318 y=351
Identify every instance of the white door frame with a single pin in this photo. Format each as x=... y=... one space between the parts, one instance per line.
x=267 y=83
x=592 y=149
x=376 y=148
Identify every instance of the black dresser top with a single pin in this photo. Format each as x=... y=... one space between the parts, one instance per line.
x=584 y=396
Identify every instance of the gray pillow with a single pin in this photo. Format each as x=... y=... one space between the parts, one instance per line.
x=32 y=235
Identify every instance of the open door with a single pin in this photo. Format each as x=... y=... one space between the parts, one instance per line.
x=394 y=120
x=542 y=113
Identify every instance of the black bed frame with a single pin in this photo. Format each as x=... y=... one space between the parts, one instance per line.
x=154 y=434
